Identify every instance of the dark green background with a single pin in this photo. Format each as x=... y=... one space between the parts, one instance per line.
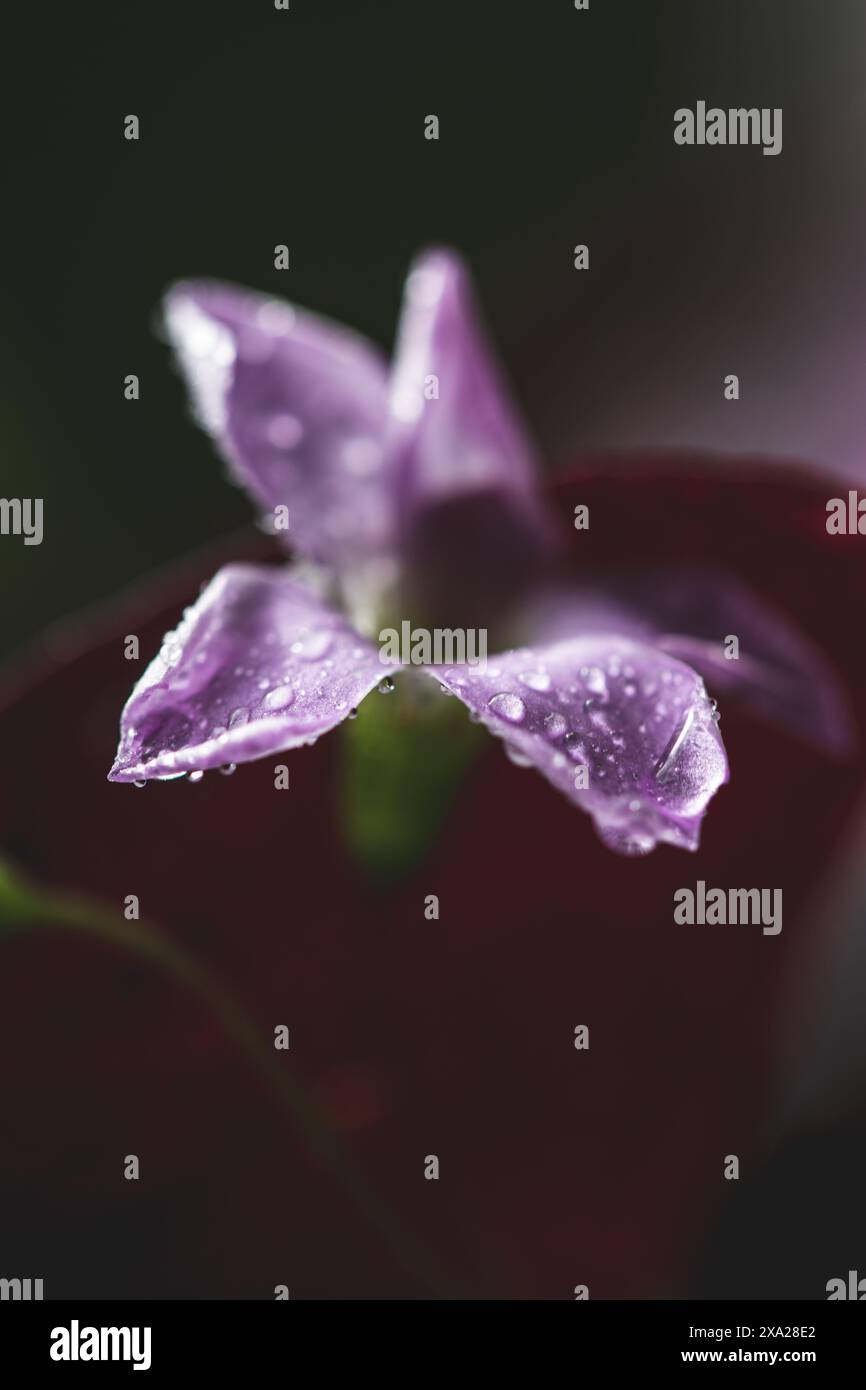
x=306 y=127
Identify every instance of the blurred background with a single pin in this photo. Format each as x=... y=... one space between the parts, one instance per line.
x=305 y=127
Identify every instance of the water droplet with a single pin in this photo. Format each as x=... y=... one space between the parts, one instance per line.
x=555 y=725
x=195 y=776
x=668 y=758
x=279 y=698
x=314 y=647
x=284 y=431
x=575 y=748
x=275 y=317
x=595 y=680
x=629 y=689
x=170 y=654
x=353 y=713
x=517 y=756
x=238 y=716
x=597 y=717
x=445 y=690
x=139 y=784
x=386 y=686
x=508 y=706
x=228 y=769
x=627 y=840
x=536 y=680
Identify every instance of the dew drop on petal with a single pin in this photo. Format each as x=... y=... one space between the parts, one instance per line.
x=284 y=431
x=238 y=716
x=631 y=841
x=317 y=645
x=139 y=784
x=353 y=713
x=517 y=756
x=555 y=725
x=386 y=686
x=279 y=698
x=536 y=680
x=195 y=776
x=228 y=768
x=594 y=679
x=508 y=706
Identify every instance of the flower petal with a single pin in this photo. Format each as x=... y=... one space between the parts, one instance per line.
x=256 y=666
x=452 y=425
x=774 y=670
x=631 y=722
x=297 y=406
x=778 y=672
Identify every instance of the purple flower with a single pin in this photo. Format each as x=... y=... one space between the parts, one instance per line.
x=413 y=495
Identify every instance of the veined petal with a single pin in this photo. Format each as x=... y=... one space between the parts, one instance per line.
x=297 y=406
x=257 y=665
x=452 y=425
x=627 y=732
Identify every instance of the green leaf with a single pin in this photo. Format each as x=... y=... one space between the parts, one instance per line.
x=404 y=760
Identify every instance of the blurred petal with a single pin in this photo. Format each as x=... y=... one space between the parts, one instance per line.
x=297 y=406
x=256 y=666
x=637 y=723
x=779 y=673
x=453 y=426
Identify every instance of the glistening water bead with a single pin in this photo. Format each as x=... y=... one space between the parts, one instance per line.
x=386 y=686
x=508 y=706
